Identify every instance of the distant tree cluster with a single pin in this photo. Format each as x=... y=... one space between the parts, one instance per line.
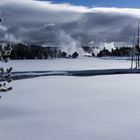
x=87 y=49
x=122 y=51
x=23 y=51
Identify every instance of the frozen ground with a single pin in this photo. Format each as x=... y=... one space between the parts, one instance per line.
x=72 y=108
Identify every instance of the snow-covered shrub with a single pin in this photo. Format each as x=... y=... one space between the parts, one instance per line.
x=5 y=74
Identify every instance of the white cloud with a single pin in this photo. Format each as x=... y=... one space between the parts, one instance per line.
x=47 y=5
x=113 y=10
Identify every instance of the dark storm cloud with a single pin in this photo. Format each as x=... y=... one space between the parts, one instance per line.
x=48 y=23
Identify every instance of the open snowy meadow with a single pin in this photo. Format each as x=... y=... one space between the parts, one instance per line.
x=69 y=107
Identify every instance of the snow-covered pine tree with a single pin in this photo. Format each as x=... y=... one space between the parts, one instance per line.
x=5 y=74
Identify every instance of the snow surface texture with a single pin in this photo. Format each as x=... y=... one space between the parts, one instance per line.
x=72 y=108
x=66 y=64
x=70 y=67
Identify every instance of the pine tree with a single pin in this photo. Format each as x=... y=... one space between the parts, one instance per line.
x=5 y=75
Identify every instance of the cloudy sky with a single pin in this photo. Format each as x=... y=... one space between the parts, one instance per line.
x=69 y=22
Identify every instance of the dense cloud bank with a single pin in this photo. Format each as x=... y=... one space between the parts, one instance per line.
x=47 y=23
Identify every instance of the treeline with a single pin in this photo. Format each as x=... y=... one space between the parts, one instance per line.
x=23 y=51
x=120 y=52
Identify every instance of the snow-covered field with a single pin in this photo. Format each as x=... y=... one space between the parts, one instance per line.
x=71 y=108
x=67 y=64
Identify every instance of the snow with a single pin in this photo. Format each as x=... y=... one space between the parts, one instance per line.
x=82 y=63
x=71 y=108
